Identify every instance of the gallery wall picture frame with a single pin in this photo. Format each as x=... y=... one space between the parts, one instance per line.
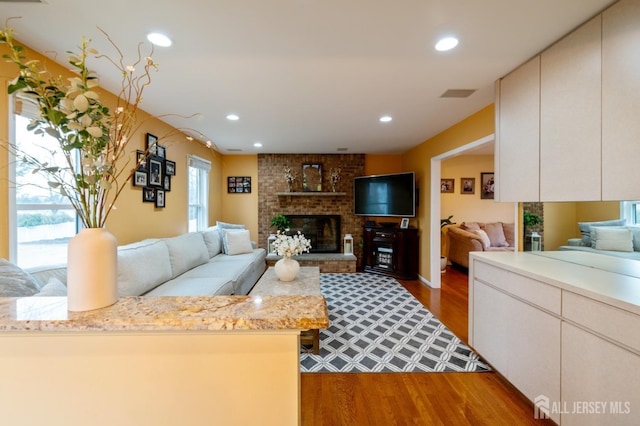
x=155 y=167
x=312 y=177
x=467 y=185
x=161 y=151
x=447 y=186
x=239 y=184
x=140 y=178
x=487 y=188
x=170 y=167
x=404 y=223
x=167 y=183
x=160 y=198
x=148 y=195
x=141 y=161
x=151 y=146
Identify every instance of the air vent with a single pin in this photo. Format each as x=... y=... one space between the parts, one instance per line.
x=343 y=149
x=458 y=93
x=234 y=150
x=22 y=1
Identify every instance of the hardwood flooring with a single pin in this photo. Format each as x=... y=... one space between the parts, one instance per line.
x=345 y=399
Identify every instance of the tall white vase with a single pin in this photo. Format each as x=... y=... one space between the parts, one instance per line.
x=92 y=270
x=287 y=269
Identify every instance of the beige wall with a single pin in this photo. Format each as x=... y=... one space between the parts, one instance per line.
x=470 y=207
x=241 y=208
x=561 y=219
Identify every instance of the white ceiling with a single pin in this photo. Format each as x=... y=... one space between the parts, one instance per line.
x=311 y=76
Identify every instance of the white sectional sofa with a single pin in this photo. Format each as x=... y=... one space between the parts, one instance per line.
x=221 y=260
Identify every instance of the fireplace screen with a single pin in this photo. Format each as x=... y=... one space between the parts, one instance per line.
x=322 y=230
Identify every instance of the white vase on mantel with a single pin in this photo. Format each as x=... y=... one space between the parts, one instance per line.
x=287 y=269
x=92 y=270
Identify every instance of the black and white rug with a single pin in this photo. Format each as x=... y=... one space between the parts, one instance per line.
x=378 y=326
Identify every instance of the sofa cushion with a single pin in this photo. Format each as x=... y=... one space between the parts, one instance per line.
x=224 y=225
x=495 y=233
x=211 y=237
x=635 y=230
x=612 y=238
x=486 y=242
x=182 y=286
x=585 y=228
x=186 y=252
x=15 y=282
x=237 y=241
x=52 y=288
x=142 y=266
x=470 y=226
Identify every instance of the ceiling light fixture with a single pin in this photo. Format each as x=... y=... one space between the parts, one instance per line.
x=258 y=144
x=233 y=117
x=446 y=43
x=386 y=118
x=159 y=39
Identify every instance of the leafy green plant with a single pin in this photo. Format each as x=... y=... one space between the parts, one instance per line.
x=530 y=219
x=280 y=222
x=446 y=221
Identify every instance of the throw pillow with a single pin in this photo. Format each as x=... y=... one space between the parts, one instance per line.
x=14 y=282
x=237 y=241
x=509 y=232
x=635 y=230
x=470 y=226
x=615 y=239
x=212 y=240
x=496 y=234
x=52 y=288
x=585 y=228
x=222 y=226
x=484 y=238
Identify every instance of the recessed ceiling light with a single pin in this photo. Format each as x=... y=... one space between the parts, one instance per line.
x=386 y=118
x=233 y=117
x=159 y=39
x=446 y=43
x=258 y=144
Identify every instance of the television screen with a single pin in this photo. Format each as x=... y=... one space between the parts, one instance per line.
x=385 y=195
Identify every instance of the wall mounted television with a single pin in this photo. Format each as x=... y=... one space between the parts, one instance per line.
x=385 y=195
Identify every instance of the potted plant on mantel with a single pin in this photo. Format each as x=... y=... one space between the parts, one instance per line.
x=281 y=223
x=529 y=220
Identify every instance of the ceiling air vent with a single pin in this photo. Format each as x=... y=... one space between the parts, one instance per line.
x=234 y=150
x=22 y=1
x=458 y=93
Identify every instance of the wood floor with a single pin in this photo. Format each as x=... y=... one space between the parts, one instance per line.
x=343 y=399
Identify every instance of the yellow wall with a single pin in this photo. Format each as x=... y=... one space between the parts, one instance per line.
x=241 y=208
x=375 y=164
x=418 y=159
x=132 y=220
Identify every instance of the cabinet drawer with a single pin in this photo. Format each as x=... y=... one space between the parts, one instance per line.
x=383 y=234
x=614 y=323
x=491 y=275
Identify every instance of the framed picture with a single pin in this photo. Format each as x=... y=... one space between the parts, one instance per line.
x=167 y=183
x=155 y=171
x=160 y=198
x=404 y=223
x=152 y=144
x=140 y=178
x=312 y=177
x=447 y=185
x=148 y=195
x=161 y=151
x=488 y=186
x=239 y=184
x=467 y=185
x=141 y=161
x=169 y=168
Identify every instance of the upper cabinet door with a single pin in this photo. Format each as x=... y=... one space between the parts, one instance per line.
x=518 y=134
x=570 y=116
x=621 y=101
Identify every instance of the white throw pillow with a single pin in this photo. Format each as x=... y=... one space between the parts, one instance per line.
x=486 y=242
x=52 y=288
x=610 y=238
x=212 y=240
x=237 y=241
x=224 y=225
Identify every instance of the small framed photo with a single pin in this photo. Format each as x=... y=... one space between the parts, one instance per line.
x=148 y=195
x=312 y=177
x=141 y=161
x=447 y=186
x=404 y=223
x=151 y=146
x=467 y=185
x=239 y=184
x=155 y=171
x=167 y=183
x=160 y=198
x=161 y=151
x=169 y=168
x=140 y=178
x=488 y=186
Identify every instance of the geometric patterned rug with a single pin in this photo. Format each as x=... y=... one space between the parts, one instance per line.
x=376 y=325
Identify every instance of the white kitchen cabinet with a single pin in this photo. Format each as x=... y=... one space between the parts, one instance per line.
x=518 y=134
x=620 y=100
x=570 y=123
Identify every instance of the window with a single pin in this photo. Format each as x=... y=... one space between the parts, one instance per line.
x=43 y=220
x=198 y=193
x=630 y=210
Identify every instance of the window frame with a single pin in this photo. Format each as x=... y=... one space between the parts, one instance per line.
x=203 y=167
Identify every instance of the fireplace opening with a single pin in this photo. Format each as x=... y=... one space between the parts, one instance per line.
x=322 y=230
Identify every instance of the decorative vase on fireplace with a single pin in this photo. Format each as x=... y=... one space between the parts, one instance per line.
x=287 y=269
x=92 y=273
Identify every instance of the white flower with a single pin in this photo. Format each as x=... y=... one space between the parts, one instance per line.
x=131 y=68
x=288 y=246
x=81 y=103
x=95 y=131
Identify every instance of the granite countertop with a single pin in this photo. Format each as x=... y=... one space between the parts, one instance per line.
x=165 y=313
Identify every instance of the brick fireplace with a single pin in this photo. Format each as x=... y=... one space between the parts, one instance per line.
x=273 y=199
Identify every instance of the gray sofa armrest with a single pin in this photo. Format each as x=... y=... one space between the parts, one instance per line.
x=576 y=242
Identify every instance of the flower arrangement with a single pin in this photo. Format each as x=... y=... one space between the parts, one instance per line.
x=289 y=176
x=334 y=177
x=288 y=246
x=92 y=138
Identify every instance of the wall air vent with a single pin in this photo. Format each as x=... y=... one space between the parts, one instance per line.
x=234 y=150
x=22 y=1
x=458 y=93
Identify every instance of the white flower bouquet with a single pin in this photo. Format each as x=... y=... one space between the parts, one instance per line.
x=288 y=246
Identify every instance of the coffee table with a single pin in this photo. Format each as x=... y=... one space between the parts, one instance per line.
x=307 y=282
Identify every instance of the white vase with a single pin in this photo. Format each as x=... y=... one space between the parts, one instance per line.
x=92 y=270
x=443 y=264
x=287 y=269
